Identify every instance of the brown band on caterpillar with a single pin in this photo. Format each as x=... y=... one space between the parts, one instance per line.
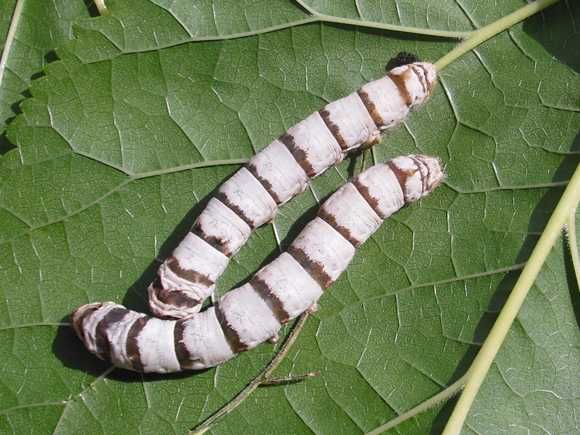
x=314 y=145
x=364 y=191
x=343 y=231
x=435 y=183
x=133 y=353
x=430 y=84
x=237 y=210
x=263 y=289
x=232 y=336
x=371 y=108
x=421 y=79
x=189 y=275
x=420 y=169
x=254 y=312
x=399 y=81
x=333 y=128
x=298 y=154
x=265 y=183
x=216 y=242
x=177 y=298
x=401 y=178
x=101 y=339
x=427 y=82
x=314 y=268
x=181 y=352
x=424 y=177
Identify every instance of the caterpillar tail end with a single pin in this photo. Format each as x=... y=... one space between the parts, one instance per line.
x=85 y=320
x=418 y=175
x=80 y=314
x=434 y=174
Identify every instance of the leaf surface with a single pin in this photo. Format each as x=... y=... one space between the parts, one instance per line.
x=39 y=26
x=533 y=384
x=146 y=114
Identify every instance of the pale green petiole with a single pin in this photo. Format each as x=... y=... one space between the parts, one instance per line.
x=486 y=355
x=493 y=29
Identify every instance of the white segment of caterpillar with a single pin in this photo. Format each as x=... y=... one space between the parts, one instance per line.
x=280 y=291
x=251 y=197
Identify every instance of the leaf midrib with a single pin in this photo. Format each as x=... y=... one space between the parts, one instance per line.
x=315 y=17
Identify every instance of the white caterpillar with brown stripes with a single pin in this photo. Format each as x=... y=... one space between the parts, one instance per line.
x=251 y=197
x=277 y=293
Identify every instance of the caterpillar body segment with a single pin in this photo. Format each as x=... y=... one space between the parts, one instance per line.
x=289 y=285
x=251 y=197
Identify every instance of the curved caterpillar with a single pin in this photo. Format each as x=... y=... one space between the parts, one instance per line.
x=251 y=197
x=280 y=291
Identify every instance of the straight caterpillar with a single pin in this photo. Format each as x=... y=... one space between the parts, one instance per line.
x=277 y=293
x=251 y=197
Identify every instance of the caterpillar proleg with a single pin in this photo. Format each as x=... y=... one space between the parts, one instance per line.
x=251 y=197
x=280 y=291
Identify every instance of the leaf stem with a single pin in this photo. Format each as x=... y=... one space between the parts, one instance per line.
x=181 y=168
x=33 y=325
x=486 y=355
x=6 y=411
x=292 y=379
x=102 y=7
x=479 y=36
x=262 y=377
x=10 y=36
x=314 y=17
x=438 y=398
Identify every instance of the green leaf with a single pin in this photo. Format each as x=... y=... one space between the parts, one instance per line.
x=38 y=27
x=533 y=383
x=152 y=107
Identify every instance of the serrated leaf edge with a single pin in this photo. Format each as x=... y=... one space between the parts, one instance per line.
x=16 y=14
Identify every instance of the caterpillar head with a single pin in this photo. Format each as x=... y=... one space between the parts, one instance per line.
x=402 y=58
x=418 y=175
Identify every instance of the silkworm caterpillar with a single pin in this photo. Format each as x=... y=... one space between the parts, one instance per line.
x=280 y=291
x=251 y=197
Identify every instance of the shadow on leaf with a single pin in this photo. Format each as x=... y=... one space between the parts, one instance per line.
x=571 y=280
x=136 y=296
x=554 y=25
x=70 y=351
x=538 y=221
